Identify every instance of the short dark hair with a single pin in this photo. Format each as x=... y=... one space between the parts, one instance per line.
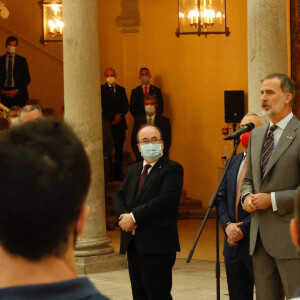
x=147 y=125
x=151 y=97
x=287 y=85
x=144 y=69
x=44 y=179
x=11 y=39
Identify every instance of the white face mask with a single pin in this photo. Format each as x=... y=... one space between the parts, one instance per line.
x=150 y=109
x=11 y=49
x=111 y=80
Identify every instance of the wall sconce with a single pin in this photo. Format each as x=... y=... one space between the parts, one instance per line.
x=202 y=17
x=4 y=12
x=52 y=21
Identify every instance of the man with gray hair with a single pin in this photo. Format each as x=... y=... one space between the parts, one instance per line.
x=269 y=188
x=30 y=113
x=236 y=222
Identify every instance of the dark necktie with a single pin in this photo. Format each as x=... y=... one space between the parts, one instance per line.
x=9 y=71
x=267 y=149
x=150 y=121
x=143 y=177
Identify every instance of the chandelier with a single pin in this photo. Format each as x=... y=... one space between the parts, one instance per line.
x=52 y=21
x=202 y=17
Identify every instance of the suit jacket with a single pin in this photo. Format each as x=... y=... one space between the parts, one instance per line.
x=162 y=123
x=154 y=208
x=137 y=100
x=114 y=103
x=282 y=176
x=227 y=208
x=20 y=75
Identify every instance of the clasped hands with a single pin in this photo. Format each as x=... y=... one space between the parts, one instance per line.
x=127 y=223
x=234 y=233
x=257 y=201
x=9 y=93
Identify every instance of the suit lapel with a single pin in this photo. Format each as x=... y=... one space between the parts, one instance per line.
x=286 y=138
x=155 y=170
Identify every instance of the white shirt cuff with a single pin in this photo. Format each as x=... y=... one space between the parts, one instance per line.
x=273 y=200
x=131 y=214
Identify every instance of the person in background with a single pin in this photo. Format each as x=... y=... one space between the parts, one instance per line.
x=30 y=113
x=141 y=92
x=14 y=76
x=151 y=117
x=236 y=222
x=114 y=108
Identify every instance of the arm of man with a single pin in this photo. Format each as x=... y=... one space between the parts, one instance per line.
x=160 y=101
x=167 y=136
x=125 y=104
x=133 y=104
x=166 y=203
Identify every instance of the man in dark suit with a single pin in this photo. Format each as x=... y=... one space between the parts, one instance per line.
x=236 y=223
x=151 y=117
x=114 y=108
x=14 y=76
x=146 y=205
x=269 y=188
x=138 y=94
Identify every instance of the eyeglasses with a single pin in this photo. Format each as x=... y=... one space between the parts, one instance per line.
x=154 y=140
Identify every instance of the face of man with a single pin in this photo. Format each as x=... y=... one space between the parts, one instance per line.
x=28 y=116
x=11 y=47
x=150 y=106
x=274 y=102
x=111 y=76
x=145 y=76
x=149 y=134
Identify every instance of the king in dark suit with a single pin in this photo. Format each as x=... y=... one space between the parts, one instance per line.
x=236 y=224
x=142 y=91
x=14 y=76
x=151 y=117
x=146 y=205
x=114 y=108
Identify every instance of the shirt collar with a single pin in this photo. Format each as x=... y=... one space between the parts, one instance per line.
x=152 y=164
x=282 y=124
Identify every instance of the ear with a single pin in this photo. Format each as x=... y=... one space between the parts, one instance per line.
x=81 y=220
x=288 y=98
x=294 y=231
x=139 y=146
x=162 y=145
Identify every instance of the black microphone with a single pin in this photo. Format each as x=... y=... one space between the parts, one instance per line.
x=236 y=134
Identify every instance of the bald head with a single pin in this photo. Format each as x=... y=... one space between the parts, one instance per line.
x=252 y=118
x=30 y=113
x=110 y=72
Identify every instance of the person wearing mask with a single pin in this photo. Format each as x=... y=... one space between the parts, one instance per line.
x=236 y=222
x=114 y=108
x=269 y=189
x=146 y=206
x=14 y=76
x=138 y=94
x=30 y=113
x=151 y=117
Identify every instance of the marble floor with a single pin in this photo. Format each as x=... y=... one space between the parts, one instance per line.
x=194 y=280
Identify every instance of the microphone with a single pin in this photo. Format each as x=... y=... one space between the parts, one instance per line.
x=236 y=134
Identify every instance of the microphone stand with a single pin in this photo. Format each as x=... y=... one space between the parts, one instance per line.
x=214 y=201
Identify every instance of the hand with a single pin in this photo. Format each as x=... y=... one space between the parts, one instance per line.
x=127 y=223
x=248 y=205
x=233 y=231
x=118 y=118
x=11 y=93
x=231 y=242
x=262 y=200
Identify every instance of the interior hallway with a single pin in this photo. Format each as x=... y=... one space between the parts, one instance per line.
x=195 y=280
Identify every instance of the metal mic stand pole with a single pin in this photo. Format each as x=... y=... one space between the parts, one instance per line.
x=214 y=201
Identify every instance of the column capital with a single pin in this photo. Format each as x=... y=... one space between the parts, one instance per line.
x=129 y=19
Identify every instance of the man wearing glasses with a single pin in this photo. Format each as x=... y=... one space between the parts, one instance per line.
x=146 y=205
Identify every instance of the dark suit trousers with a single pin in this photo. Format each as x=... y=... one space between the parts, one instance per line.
x=240 y=278
x=118 y=134
x=150 y=274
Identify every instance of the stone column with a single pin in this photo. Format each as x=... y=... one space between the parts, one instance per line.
x=267 y=45
x=83 y=112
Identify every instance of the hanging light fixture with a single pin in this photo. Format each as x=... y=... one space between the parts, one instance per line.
x=202 y=17
x=52 y=21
